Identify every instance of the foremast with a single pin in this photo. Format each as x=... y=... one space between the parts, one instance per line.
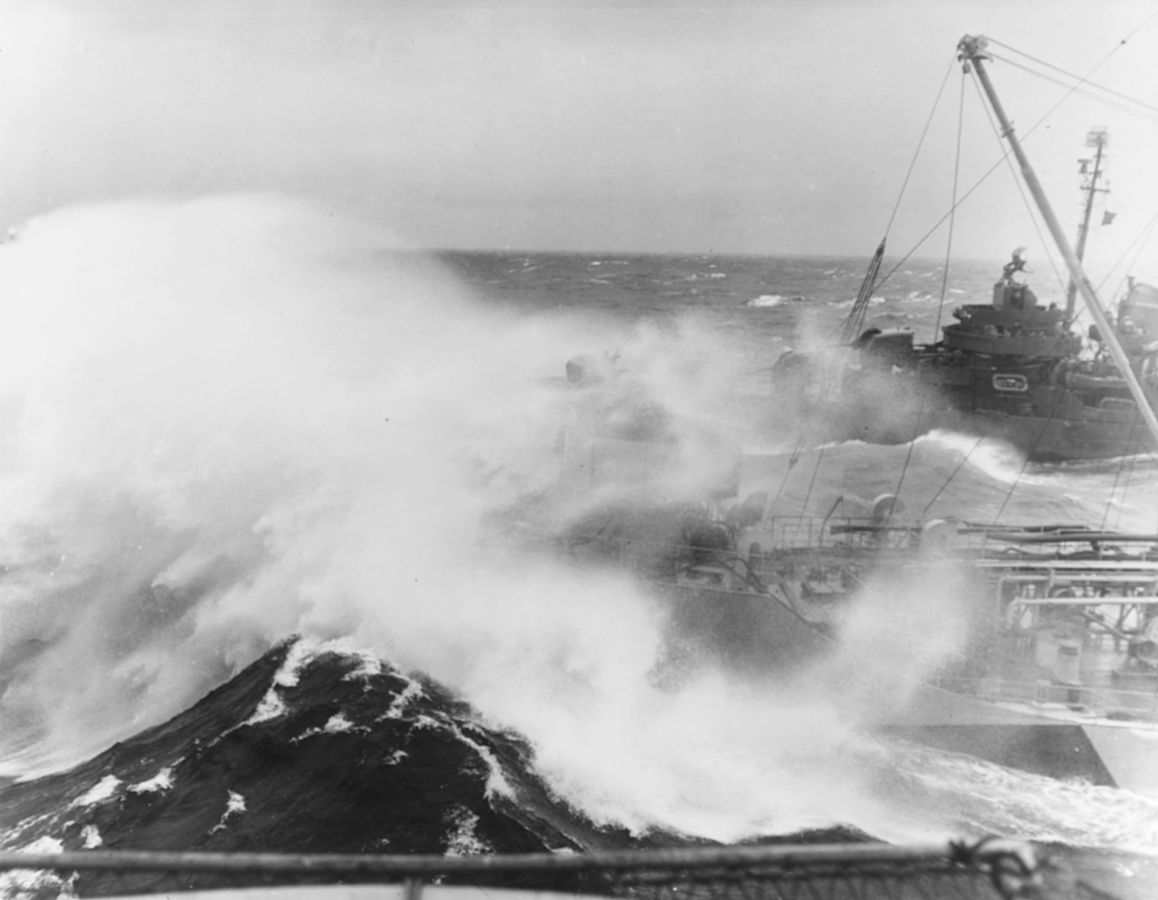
x=1097 y=139
x=971 y=51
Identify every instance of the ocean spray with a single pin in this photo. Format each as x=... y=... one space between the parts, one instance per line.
x=233 y=419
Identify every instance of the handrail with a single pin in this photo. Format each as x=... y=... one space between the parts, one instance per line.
x=417 y=865
x=1011 y=867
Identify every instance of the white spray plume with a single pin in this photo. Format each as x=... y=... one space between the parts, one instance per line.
x=902 y=627
x=233 y=419
x=228 y=420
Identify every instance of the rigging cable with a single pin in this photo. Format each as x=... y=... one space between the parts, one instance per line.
x=1126 y=466
x=921 y=141
x=953 y=205
x=1025 y=201
x=793 y=459
x=952 y=475
x=854 y=322
x=1086 y=79
x=1146 y=112
x=860 y=307
x=1028 y=132
x=1013 y=485
x=944 y=287
x=811 y=485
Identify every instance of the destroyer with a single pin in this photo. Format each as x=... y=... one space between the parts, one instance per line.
x=1013 y=369
x=1060 y=673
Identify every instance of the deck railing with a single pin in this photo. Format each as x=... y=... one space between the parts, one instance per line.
x=988 y=869
x=864 y=531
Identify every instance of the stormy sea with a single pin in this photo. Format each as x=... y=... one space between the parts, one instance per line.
x=259 y=465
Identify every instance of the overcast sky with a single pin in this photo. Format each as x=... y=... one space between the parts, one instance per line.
x=756 y=127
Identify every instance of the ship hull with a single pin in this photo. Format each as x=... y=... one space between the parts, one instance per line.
x=1064 y=439
x=1020 y=401
x=1068 y=433
x=758 y=636
x=1109 y=754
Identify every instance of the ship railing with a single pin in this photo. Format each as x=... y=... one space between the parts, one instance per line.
x=864 y=533
x=671 y=563
x=1140 y=572
x=1077 y=546
x=999 y=548
x=1124 y=704
x=989 y=868
x=833 y=532
x=1092 y=597
x=1009 y=546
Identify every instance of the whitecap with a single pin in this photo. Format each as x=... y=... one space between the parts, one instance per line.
x=162 y=781
x=411 y=692
x=36 y=882
x=272 y=706
x=463 y=839
x=234 y=806
x=336 y=724
x=99 y=792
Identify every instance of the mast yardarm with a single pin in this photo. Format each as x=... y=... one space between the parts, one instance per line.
x=971 y=51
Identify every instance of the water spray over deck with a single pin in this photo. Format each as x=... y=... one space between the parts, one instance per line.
x=231 y=420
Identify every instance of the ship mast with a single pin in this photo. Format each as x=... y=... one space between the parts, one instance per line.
x=972 y=53
x=1096 y=138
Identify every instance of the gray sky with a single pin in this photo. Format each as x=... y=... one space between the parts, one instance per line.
x=778 y=127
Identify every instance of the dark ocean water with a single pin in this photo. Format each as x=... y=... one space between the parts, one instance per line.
x=268 y=429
